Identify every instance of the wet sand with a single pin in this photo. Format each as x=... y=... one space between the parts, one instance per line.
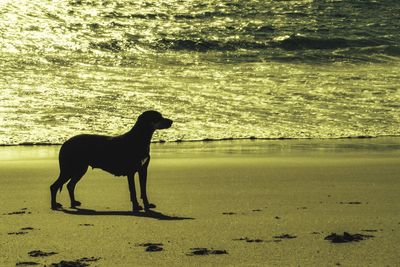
x=260 y=203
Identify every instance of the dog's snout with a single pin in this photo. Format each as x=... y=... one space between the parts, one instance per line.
x=169 y=122
x=164 y=123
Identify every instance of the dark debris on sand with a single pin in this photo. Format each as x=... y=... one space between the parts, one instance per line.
x=229 y=213
x=21 y=211
x=152 y=247
x=39 y=253
x=351 y=202
x=23 y=231
x=86 y=224
x=369 y=230
x=82 y=262
x=346 y=237
x=249 y=240
x=17 y=233
x=206 y=251
x=26 y=263
x=285 y=236
x=18 y=212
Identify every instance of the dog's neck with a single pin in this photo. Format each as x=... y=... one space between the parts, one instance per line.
x=141 y=134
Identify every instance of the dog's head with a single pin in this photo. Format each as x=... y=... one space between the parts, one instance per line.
x=155 y=120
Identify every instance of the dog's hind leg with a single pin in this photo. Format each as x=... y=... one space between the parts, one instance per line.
x=71 y=186
x=62 y=179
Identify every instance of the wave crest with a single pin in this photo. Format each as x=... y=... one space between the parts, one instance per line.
x=299 y=42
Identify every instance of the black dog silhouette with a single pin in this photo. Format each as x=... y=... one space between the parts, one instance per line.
x=122 y=155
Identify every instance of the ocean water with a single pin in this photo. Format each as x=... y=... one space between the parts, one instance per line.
x=219 y=69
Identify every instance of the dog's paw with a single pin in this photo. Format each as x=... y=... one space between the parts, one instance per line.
x=136 y=208
x=75 y=204
x=149 y=206
x=56 y=206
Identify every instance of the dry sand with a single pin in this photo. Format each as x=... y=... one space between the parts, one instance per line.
x=234 y=197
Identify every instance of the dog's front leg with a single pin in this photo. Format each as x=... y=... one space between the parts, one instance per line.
x=135 y=205
x=143 y=185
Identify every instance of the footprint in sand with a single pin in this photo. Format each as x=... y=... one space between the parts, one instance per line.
x=82 y=262
x=229 y=213
x=248 y=240
x=346 y=237
x=285 y=236
x=39 y=253
x=18 y=212
x=256 y=210
x=351 y=202
x=370 y=230
x=23 y=231
x=316 y=233
x=21 y=211
x=152 y=247
x=27 y=228
x=26 y=263
x=205 y=251
x=17 y=233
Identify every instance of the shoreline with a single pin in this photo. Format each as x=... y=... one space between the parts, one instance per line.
x=258 y=147
x=206 y=140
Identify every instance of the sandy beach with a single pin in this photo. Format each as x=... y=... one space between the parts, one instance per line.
x=240 y=203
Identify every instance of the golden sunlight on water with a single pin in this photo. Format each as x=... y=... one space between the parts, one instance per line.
x=222 y=70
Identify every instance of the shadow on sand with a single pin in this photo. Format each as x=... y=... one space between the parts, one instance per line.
x=146 y=214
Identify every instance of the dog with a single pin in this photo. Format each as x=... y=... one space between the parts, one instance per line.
x=122 y=155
